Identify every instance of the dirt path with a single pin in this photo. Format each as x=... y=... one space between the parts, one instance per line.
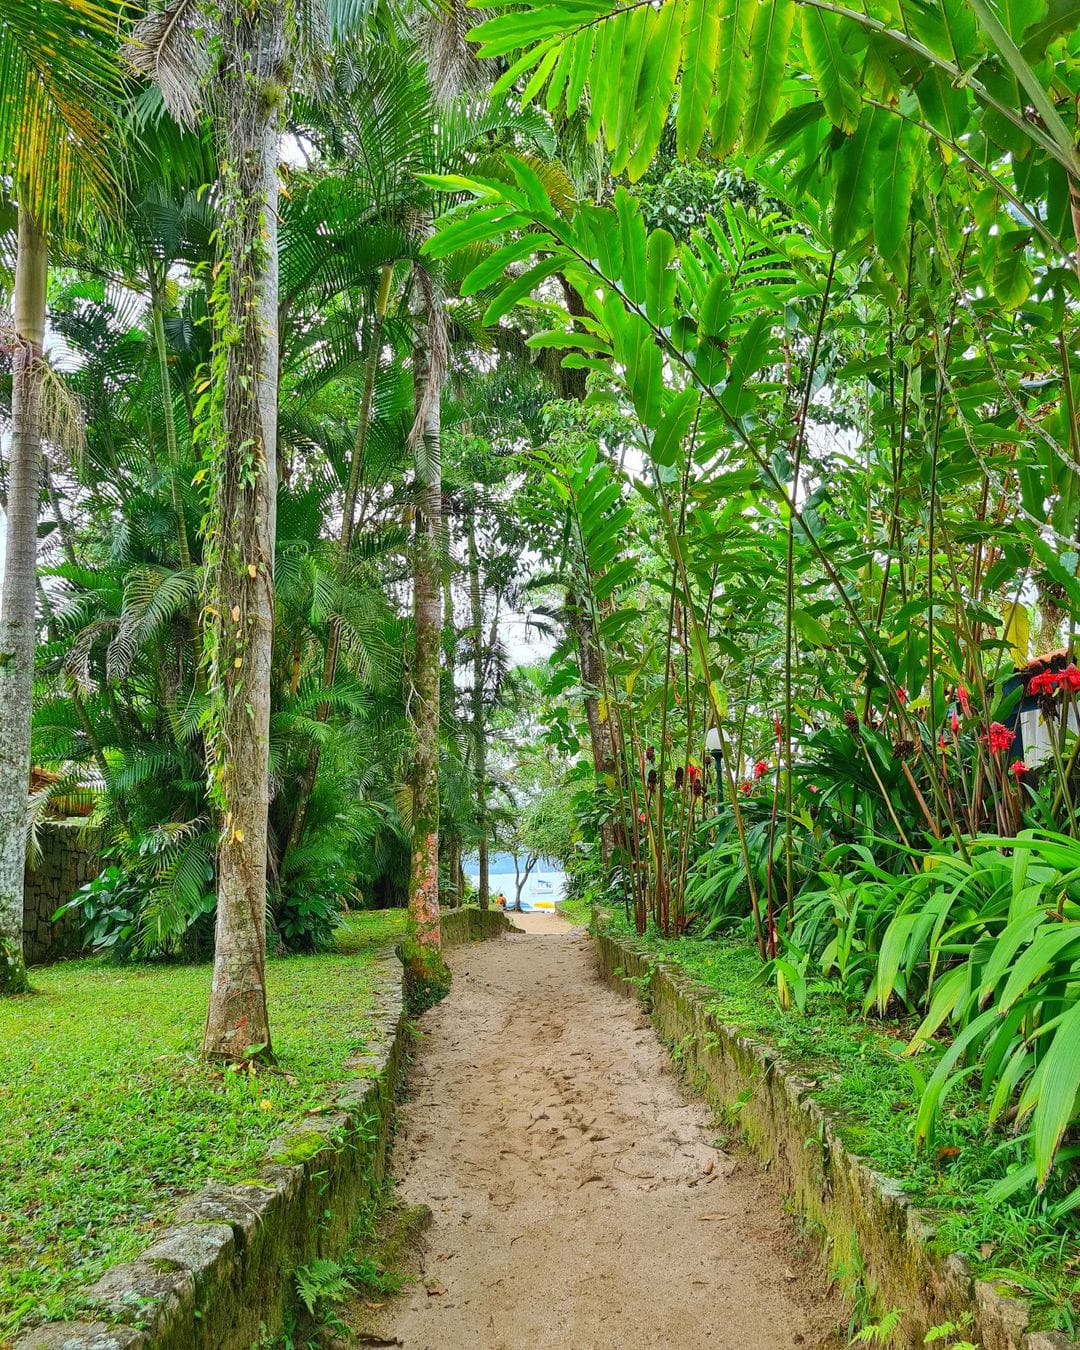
x=579 y=1198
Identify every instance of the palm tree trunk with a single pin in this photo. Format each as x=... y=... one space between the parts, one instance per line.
x=428 y=362
x=18 y=600
x=157 y=307
x=251 y=81
x=348 y=526
x=450 y=842
x=478 y=728
x=453 y=870
x=593 y=677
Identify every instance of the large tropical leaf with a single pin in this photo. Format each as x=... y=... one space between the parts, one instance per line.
x=59 y=83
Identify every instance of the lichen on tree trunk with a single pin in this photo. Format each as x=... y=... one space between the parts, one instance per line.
x=18 y=630
x=249 y=86
x=422 y=954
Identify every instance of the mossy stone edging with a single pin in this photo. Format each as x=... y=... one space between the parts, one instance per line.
x=218 y=1278
x=472 y=924
x=870 y=1225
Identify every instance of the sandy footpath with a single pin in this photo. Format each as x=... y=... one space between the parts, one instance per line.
x=580 y=1199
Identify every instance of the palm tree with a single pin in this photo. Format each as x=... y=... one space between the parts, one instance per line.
x=479 y=737
x=244 y=77
x=245 y=83
x=117 y=687
x=452 y=69
x=57 y=77
x=429 y=372
x=394 y=117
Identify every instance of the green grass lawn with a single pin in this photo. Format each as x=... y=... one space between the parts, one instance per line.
x=107 y=1115
x=871 y=1093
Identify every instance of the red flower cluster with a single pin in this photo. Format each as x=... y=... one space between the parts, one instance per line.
x=999 y=737
x=761 y=768
x=1017 y=768
x=745 y=789
x=962 y=695
x=692 y=772
x=1069 y=678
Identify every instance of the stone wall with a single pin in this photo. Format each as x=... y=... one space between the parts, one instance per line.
x=471 y=924
x=868 y=1222
x=221 y=1276
x=70 y=857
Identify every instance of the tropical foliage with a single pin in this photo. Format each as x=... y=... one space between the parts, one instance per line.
x=731 y=344
x=839 y=479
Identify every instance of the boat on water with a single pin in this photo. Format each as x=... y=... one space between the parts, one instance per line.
x=543 y=889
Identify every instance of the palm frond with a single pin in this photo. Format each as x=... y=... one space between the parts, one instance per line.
x=170 y=47
x=59 y=81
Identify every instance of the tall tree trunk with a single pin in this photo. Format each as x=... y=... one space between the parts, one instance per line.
x=18 y=600
x=348 y=526
x=157 y=308
x=251 y=80
x=478 y=729
x=428 y=367
x=591 y=664
x=450 y=843
x=453 y=870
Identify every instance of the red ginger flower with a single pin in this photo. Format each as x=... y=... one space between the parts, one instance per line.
x=901 y=693
x=744 y=788
x=999 y=737
x=692 y=772
x=962 y=695
x=1044 y=683
x=761 y=768
x=1017 y=768
x=954 y=722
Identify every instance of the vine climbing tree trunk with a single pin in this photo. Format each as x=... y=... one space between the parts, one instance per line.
x=476 y=618
x=250 y=82
x=19 y=597
x=429 y=365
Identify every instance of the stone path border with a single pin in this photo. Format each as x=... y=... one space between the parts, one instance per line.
x=870 y=1224
x=219 y=1277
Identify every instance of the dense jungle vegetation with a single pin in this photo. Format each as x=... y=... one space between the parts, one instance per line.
x=730 y=344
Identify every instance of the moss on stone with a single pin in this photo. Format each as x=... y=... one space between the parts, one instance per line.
x=301 y=1146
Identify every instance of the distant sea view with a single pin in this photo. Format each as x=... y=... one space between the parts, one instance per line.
x=546 y=884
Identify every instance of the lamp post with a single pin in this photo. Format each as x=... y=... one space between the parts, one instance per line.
x=713 y=746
